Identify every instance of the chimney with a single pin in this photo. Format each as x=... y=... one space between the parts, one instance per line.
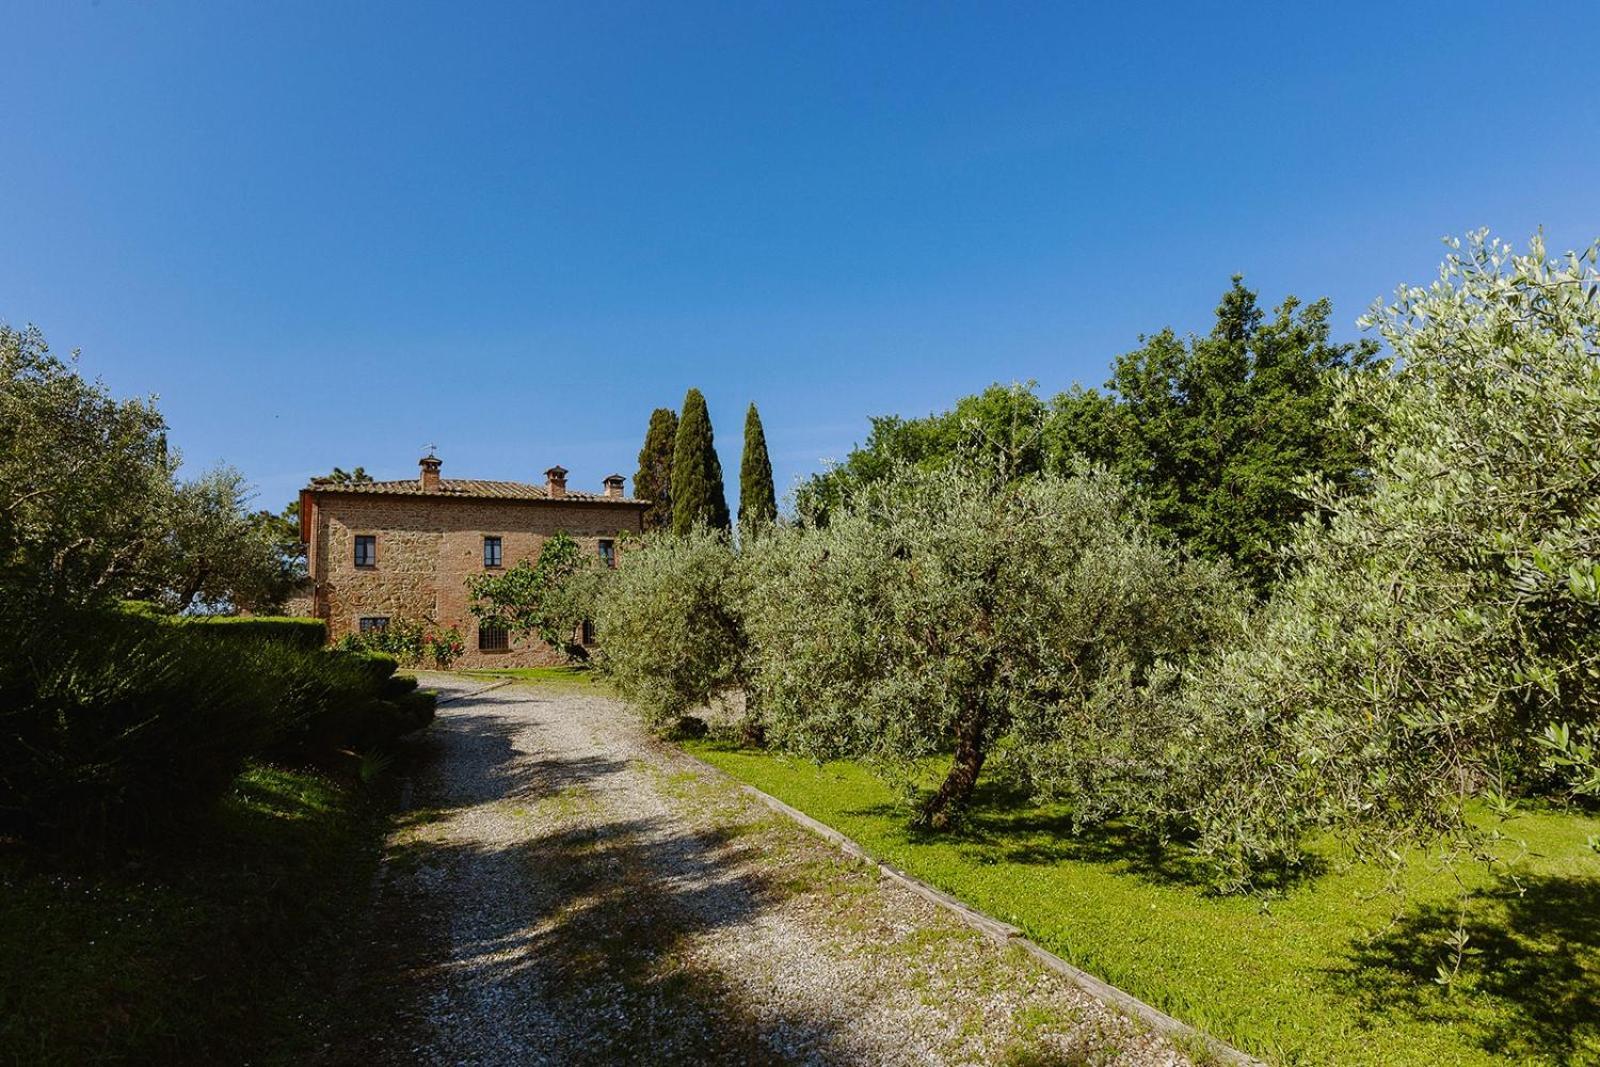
x=430 y=472
x=555 y=482
x=613 y=483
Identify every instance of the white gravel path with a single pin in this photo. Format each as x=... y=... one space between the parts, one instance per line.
x=571 y=891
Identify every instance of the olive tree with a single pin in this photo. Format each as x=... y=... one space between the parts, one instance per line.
x=669 y=626
x=213 y=553
x=1440 y=624
x=83 y=479
x=954 y=610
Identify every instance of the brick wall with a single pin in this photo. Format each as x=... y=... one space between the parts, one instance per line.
x=427 y=548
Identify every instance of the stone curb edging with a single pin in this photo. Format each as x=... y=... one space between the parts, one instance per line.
x=1005 y=933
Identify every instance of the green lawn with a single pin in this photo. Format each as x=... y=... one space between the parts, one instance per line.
x=221 y=944
x=575 y=675
x=1333 y=971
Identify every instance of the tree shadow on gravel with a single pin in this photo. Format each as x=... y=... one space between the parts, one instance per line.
x=572 y=943
x=1530 y=989
x=499 y=770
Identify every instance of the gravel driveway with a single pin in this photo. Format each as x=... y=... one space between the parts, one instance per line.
x=564 y=889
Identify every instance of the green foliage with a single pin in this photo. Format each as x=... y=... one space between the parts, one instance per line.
x=954 y=609
x=307 y=634
x=758 y=499
x=1436 y=626
x=653 y=482
x=411 y=642
x=93 y=512
x=1575 y=756
x=1218 y=433
x=85 y=478
x=697 y=493
x=340 y=476
x=1005 y=425
x=550 y=598
x=668 y=624
x=114 y=725
x=110 y=725
x=213 y=552
x=119 y=718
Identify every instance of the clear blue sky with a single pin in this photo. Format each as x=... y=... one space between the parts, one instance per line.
x=332 y=233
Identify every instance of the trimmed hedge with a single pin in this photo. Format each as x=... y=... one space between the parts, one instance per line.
x=307 y=634
x=112 y=725
x=398 y=686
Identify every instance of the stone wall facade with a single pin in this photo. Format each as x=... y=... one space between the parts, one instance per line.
x=427 y=548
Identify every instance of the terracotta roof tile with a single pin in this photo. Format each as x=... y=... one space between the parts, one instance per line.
x=476 y=488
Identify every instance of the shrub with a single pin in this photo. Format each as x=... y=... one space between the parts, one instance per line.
x=668 y=624
x=308 y=634
x=415 y=710
x=354 y=702
x=113 y=725
x=411 y=642
x=402 y=638
x=444 y=647
x=398 y=686
x=110 y=726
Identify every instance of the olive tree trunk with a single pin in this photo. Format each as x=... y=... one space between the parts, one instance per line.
x=941 y=810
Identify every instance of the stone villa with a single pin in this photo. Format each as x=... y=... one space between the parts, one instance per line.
x=383 y=551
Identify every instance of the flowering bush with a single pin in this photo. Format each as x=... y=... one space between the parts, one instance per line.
x=411 y=641
x=444 y=647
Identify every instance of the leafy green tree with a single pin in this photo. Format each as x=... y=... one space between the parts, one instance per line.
x=1439 y=634
x=758 y=499
x=550 y=598
x=84 y=479
x=653 y=482
x=1005 y=423
x=955 y=609
x=214 y=553
x=1220 y=432
x=697 y=493
x=669 y=627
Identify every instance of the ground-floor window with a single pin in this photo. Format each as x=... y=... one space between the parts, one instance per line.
x=371 y=623
x=493 y=639
x=588 y=632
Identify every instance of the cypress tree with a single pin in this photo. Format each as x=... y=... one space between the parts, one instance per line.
x=654 y=480
x=758 y=501
x=697 y=494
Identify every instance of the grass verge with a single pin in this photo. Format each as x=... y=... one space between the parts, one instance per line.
x=565 y=674
x=223 y=944
x=1333 y=970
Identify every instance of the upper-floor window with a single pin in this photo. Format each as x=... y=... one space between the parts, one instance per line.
x=608 y=553
x=366 y=550
x=491 y=551
x=369 y=623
